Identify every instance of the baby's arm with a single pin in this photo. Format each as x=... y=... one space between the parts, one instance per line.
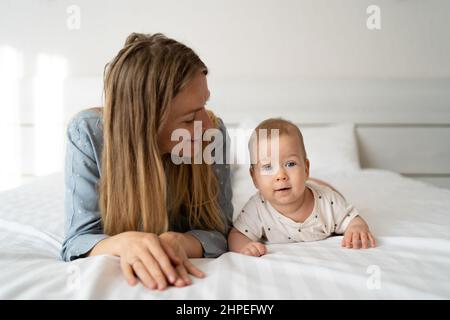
x=238 y=242
x=357 y=233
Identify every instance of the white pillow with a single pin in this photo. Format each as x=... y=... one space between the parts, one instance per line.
x=331 y=148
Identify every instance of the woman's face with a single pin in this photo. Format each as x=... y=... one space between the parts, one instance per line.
x=187 y=107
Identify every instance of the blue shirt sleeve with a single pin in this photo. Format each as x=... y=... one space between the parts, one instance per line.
x=83 y=227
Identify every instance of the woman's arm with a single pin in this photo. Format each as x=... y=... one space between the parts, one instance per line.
x=142 y=255
x=191 y=245
x=83 y=222
x=112 y=245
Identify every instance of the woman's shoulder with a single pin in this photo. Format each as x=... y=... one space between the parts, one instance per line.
x=88 y=120
x=221 y=125
x=88 y=114
x=85 y=132
x=217 y=121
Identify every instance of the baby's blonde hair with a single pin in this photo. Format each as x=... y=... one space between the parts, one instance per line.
x=284 y=127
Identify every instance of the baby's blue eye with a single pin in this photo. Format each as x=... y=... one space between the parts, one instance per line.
x=290 y=164
x=266 y=167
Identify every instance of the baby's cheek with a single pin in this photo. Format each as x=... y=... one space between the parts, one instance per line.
x=268 y=192
x=265 y=183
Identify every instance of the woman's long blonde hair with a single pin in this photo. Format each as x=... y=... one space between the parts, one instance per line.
x=140 y=190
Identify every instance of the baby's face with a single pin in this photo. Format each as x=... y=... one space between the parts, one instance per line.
x=281 y=179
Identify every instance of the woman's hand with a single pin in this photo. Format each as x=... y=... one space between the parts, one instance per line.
x=174 y=244
x=358 y=235
x=142 y=257
x=157 y=261
x=254 y=248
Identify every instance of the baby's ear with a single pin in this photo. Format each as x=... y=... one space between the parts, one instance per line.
x=252 y=174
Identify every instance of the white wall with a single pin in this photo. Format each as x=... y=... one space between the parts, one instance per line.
x=315 y=54
x=254 y=38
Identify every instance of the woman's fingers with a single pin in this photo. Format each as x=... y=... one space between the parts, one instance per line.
x=153 y=268
x=193 y=269
x=179 y=283
x=156 y=262
x=161 y=256
x=183 y=274
x=128 y=273
x=171 y=253
x=145 y=277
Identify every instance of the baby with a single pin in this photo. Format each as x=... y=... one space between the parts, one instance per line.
x=288 y=207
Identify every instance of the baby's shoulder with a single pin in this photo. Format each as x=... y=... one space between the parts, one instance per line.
x=318 y=188
x=325 y=193
x=253 y=202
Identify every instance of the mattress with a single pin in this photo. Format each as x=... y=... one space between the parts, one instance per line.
x=410 y=220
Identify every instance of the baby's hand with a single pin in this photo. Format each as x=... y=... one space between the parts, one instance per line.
x=254 y=248
x=358 y=236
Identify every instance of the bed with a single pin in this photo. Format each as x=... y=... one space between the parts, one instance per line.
x=411 y=221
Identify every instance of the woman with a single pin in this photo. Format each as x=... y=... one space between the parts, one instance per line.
x=124 y=196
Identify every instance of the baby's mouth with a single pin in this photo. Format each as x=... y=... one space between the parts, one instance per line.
x=283 y=189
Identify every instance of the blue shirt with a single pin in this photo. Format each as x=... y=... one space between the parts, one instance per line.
x=83 y=227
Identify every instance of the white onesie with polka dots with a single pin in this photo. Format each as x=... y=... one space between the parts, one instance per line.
x=258 y=220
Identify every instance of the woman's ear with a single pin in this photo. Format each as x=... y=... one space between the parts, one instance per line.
x=307 y=168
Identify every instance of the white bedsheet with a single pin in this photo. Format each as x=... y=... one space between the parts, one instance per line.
x=411 y=222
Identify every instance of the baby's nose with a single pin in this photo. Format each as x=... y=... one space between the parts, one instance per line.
x=281 y=175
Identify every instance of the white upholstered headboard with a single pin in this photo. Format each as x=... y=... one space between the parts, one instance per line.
x=401 y=125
